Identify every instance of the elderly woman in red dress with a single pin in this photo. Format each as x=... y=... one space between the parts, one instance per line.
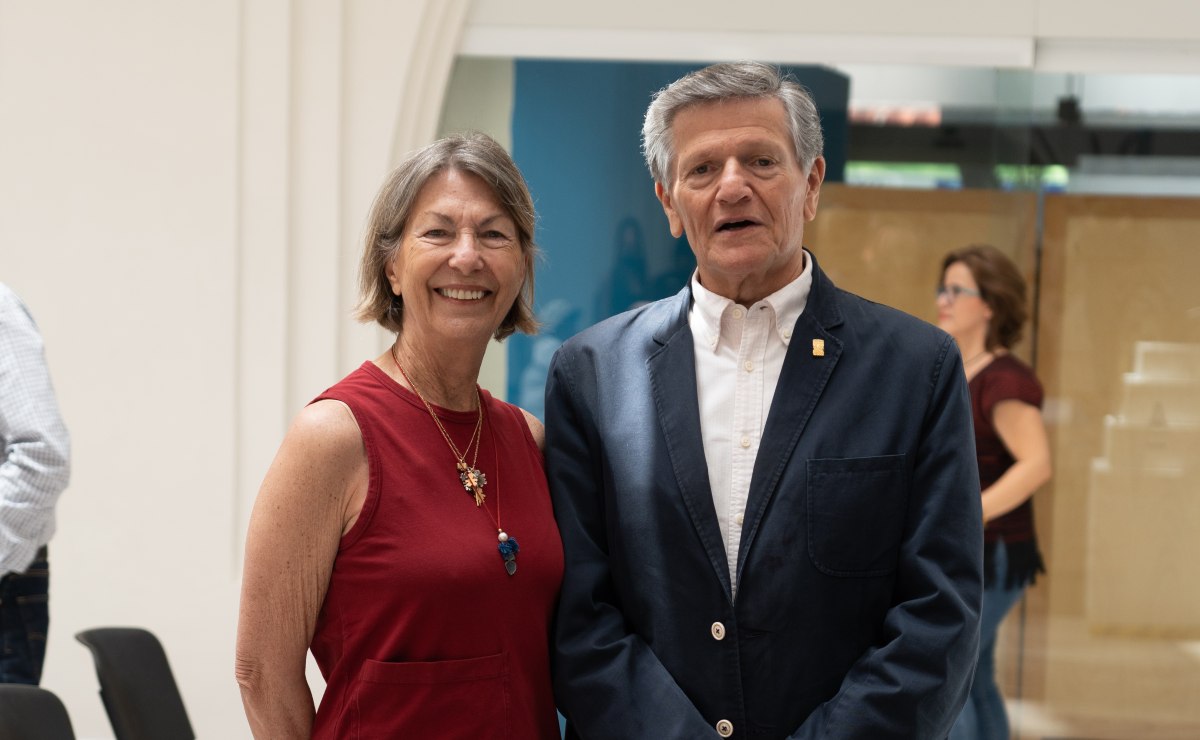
x=385 y=535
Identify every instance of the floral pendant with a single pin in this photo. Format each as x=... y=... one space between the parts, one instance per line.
x=473 y=480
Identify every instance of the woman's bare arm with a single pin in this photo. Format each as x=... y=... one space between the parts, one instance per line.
x=536 y=429
x=311 y=496
x=1022 y=431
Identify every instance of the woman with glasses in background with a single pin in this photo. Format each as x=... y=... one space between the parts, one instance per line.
x=982 y=303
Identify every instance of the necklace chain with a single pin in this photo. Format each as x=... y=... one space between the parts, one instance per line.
x=472 y=479
x=975 y=357
x=496 y=450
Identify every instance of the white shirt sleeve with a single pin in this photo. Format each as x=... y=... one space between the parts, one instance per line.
x=34 y=445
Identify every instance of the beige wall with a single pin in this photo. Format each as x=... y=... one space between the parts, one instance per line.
x=182 y=187
x=181 y=190
x=119 y=228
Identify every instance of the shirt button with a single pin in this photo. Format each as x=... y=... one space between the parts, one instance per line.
x=740 y=518
x=718 y=631
x=738 y=312
x=724 y=728
x=745 y=441
x=749 y=365
x=787 y=333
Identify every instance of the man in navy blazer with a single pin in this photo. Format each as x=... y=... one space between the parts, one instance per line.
x=766 y=486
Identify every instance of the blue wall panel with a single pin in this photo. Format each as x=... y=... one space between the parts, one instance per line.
x=605 y=241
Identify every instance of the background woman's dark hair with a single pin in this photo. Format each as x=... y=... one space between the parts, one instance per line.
x=1001 y=286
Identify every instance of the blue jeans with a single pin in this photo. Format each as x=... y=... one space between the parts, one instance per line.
x=983 y=717
x=24 y=620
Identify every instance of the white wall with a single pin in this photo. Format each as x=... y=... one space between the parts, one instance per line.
x=182 y=187
x=118 y=228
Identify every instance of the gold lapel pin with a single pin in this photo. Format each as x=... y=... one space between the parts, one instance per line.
x=818 y=348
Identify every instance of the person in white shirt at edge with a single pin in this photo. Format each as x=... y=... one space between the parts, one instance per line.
x=766 y=487
x=34 y=470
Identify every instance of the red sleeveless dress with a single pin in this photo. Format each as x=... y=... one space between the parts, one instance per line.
x=423 y=634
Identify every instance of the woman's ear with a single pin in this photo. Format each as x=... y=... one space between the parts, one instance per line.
x=392 y=270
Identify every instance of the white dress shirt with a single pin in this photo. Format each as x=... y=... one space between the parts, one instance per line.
x=34 y=448
x=739 y=355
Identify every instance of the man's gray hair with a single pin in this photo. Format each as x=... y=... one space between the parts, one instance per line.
x=729 y=81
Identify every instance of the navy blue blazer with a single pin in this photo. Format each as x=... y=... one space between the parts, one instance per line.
x=860 y=565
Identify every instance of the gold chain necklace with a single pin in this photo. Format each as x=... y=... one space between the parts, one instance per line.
x=967 y=363
x=472 y=479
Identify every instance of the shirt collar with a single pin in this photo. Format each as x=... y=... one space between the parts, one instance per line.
x=787 y=303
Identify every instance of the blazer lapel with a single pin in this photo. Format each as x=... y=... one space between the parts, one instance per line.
x=802 y=380
x=673 y=382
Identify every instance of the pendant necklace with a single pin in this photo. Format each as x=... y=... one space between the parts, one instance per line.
x=508 y=546
x=472 y=479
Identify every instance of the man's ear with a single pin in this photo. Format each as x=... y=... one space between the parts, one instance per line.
x=816 y=176
x=664 y=197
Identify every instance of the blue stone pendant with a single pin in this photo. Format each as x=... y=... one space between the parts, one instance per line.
x=508 y=548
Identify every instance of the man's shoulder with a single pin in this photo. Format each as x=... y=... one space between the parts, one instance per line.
x=887 y=318
x=909 y=342
x=629 y=329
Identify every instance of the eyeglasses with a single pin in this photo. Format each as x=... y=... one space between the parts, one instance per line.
x=954 y=291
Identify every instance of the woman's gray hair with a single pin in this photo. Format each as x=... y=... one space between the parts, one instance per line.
x=472 y=152
x=729 y=81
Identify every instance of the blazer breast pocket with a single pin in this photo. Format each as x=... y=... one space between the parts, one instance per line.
x=856 y=509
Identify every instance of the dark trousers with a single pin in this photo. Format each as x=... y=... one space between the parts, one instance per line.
x=24 y=621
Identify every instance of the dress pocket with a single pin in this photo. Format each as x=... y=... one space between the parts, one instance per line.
x=856 y=509
x=450 y=699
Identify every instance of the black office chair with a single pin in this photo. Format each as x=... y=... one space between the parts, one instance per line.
x=136 y=684
x=32 y=713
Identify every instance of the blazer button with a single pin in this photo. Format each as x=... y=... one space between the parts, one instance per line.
x=724 y=728
x=718 y=631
